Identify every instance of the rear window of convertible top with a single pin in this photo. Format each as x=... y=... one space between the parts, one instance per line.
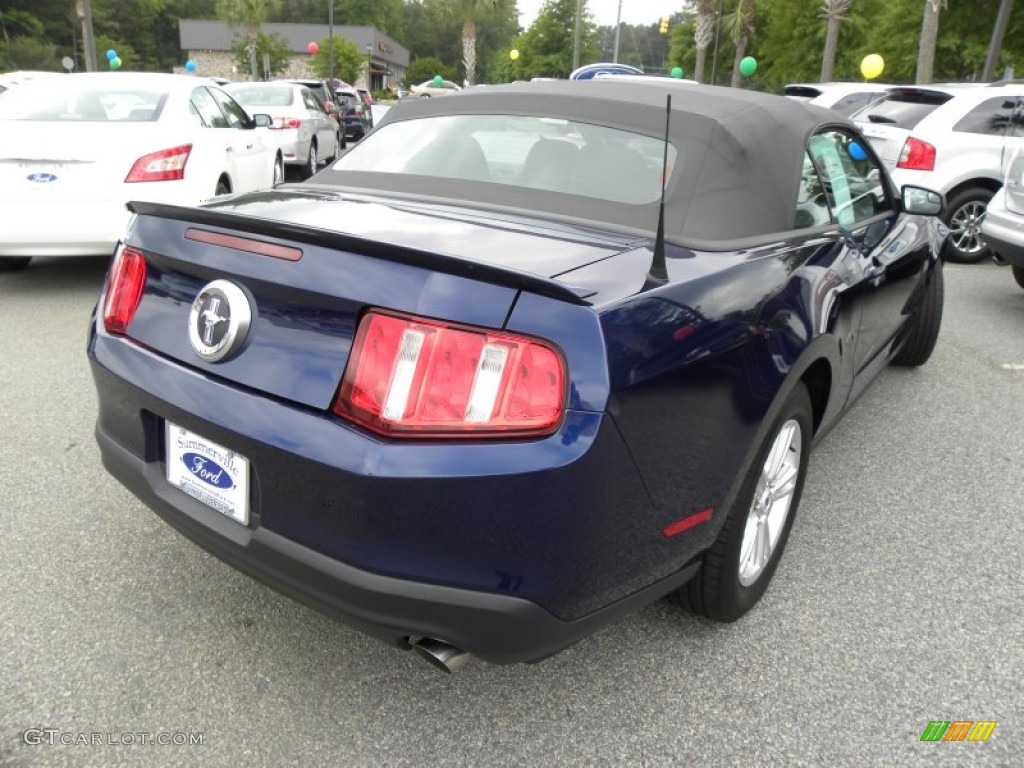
x=550 y=154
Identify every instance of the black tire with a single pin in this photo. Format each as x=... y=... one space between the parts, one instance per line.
x=222 y=188
x=13 y=263
x=963 y=215
x=718 y=591
x=924 y=324
x=309 y=168
x=1018 y=275
x=278 y=171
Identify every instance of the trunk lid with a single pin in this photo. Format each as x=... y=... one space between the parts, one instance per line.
x=308 y=283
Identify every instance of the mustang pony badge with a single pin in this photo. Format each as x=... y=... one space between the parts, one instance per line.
x=219 y=320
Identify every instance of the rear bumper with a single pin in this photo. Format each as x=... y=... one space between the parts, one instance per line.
x=500 y=629
x=509 y=550
x=39 y=228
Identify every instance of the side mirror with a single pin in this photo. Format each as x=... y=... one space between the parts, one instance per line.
x=262 y=121
x=925 y=202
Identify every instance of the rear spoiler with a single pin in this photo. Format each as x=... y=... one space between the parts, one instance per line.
x=324 y=238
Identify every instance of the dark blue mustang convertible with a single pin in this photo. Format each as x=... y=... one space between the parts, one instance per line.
x=523 y=360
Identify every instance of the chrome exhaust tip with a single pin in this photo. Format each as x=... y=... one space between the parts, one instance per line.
x=440 y=654
x=999 y=260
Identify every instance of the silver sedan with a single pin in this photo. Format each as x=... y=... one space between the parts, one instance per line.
x=307 y=135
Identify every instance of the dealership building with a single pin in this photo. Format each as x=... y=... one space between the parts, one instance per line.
x=210 y=45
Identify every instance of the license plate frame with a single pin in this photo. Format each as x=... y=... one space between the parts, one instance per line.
x=209 y=472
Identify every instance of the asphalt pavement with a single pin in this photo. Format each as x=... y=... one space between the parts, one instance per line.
x=898 y=602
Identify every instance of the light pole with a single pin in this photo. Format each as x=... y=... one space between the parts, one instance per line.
x=576 y=36
x=330 y=42
x=369 y=55
x=618 y=26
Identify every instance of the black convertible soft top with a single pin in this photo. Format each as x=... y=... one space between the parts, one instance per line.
x=741 y=152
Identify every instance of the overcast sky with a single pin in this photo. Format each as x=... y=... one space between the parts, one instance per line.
x=604 y=11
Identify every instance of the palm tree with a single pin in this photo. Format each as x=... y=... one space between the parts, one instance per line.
x=251 y=14
x=469 y=11
x=834 y=12
x=741 y=27
x=929 y=34
x=703 y=34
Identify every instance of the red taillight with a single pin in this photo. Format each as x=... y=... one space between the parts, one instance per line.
x=282 y=123
x=165 y=165
x=124 y=290
x=917 y=155
x=409 y=377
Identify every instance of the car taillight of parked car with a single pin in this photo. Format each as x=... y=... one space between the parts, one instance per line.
x=285 y=123
x=917 y=155
x=124 y=290
x=165 y=165
x=412 y=377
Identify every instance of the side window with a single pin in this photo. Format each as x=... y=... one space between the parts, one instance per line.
x=312 y=102
x=811 y=205
x=237 y=117
x=205 y=106
x=992 y=117
x=851 y=179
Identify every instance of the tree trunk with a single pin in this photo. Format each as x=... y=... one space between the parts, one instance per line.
x=926 y=48
x=828 y=58
x=703 y=34
x=741 y=51
x=469 y=50
x=698 y=66
x=253 y=72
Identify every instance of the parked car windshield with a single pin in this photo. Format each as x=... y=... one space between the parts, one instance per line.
x=904 y=107
x=264 y=96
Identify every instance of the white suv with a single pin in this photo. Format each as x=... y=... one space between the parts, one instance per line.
x=844 y=98
x=953 y=138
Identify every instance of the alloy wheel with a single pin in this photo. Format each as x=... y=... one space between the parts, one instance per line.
x=965 y=227
x=773 y=498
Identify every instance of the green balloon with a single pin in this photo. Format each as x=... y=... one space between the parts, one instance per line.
x=748 y=66
x=438 y=80
x=677 y=72
x=115 y=63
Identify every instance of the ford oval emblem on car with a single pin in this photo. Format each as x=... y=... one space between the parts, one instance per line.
x=206 y=469
x=42 y=178
x=219 y=320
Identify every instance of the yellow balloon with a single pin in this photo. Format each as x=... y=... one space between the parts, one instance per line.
x=513 y=54
x=871 y=66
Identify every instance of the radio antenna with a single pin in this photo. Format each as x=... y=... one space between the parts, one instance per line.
x=658 y=274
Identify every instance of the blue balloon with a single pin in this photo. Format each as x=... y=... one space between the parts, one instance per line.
x=111 y=54
x=190 y=65
x=856 y=151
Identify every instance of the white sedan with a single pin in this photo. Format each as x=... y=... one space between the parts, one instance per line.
x=432 y=88
x=75 y=149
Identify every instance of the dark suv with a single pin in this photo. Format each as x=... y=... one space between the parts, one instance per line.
x=357 y=116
